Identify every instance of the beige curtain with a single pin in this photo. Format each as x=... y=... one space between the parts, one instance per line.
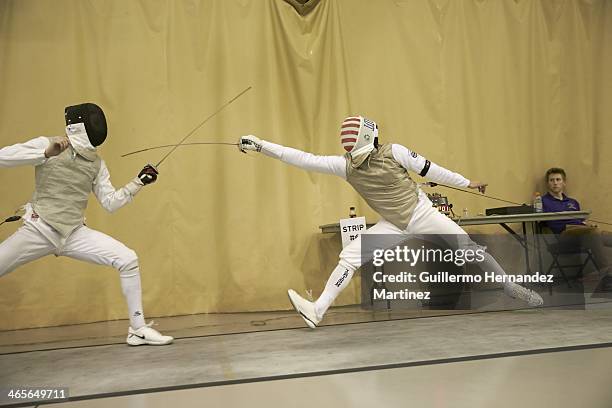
x=496 y=90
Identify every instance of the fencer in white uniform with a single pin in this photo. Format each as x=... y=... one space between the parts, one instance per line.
x=379 y=173
x=67 y=170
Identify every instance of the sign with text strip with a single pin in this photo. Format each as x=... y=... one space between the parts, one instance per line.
x=351 y=228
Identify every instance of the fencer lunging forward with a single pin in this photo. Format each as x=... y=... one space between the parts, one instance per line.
x=67 y=169
x=379 y=173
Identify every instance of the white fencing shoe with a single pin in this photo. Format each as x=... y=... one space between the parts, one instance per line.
x=147 y=335
x=305 y=308
x=515 y=291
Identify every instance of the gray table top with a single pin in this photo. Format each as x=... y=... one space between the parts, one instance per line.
x=493 y=219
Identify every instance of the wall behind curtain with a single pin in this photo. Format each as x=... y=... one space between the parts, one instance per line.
x=496 y=90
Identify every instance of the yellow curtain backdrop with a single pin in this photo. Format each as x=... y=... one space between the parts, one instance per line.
x=496 y=90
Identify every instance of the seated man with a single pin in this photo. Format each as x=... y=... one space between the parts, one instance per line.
x=556 y=201
x=575 y=231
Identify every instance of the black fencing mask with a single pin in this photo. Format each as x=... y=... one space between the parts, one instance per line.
x=92 y=116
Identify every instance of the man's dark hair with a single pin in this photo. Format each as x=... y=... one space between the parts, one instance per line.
x=555 y=170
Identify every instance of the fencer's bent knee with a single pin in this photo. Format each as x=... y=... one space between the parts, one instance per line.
x=128 y=263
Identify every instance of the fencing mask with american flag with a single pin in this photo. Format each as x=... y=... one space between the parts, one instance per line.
x=358 y=136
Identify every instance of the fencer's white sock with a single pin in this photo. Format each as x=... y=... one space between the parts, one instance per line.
x=338 y=280
x=489 y=264
x=130 y=285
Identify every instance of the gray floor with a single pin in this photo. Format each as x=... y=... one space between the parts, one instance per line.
x=114 y=332
x=561 y=379
x=100 y=371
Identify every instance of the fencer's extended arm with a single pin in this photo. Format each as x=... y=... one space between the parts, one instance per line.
x=423 y=167
x=31 y=152
x=106 y=194
x=323 y=164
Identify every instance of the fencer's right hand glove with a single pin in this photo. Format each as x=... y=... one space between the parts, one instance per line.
x=58 y=144
x=249 y=142
x=148 y=174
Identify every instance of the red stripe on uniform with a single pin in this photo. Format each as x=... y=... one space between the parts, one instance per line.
x=348 y=148
x=353 y=125
x=349 y=132
x=349 y=140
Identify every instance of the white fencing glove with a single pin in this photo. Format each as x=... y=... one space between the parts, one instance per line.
x=249 y=142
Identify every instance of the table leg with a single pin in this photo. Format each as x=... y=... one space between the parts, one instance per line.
x=522 y=239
